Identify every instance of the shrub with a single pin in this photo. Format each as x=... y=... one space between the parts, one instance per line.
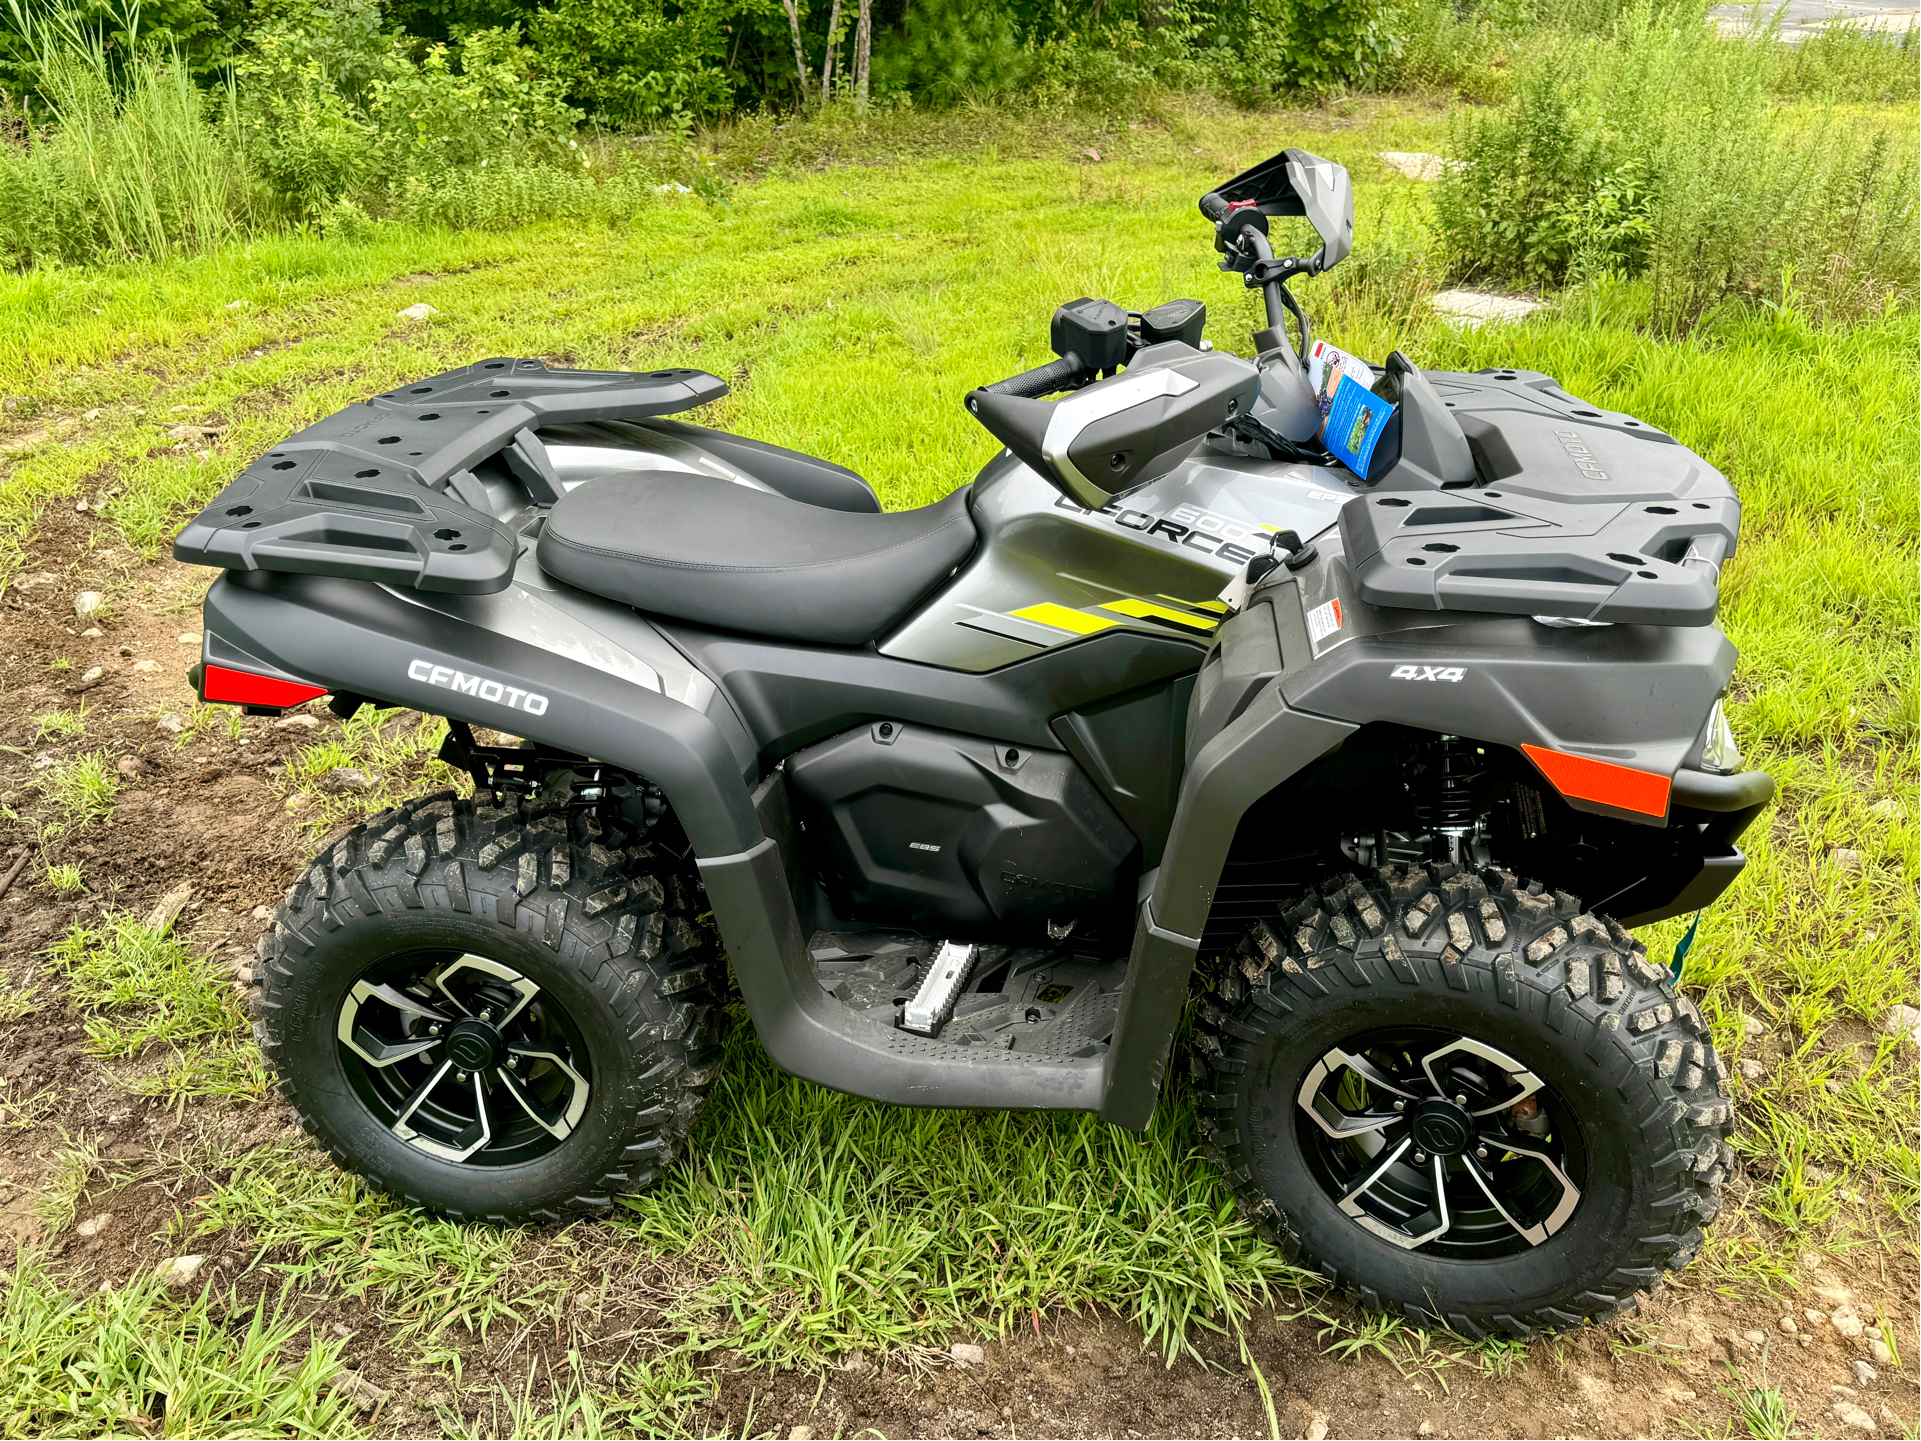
x=310 y=144
x=1659 y=153
x=1847 y=63
x=629 y=62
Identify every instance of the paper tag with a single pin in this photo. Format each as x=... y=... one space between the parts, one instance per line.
x=1326 y=366
x=1322 y=622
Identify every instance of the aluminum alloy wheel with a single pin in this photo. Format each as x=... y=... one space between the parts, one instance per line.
x=464 y=1058
x=1435 y=1141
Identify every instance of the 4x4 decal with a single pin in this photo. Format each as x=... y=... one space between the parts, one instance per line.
x=1430 y=672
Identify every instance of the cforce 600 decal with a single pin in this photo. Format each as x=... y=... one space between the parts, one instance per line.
x=1430 y=672
x=499 y=692
x=1186 y=525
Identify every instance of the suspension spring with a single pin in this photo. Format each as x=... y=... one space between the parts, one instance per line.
x=1448 y=785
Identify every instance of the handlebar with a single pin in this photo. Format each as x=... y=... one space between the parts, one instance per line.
x=1062 y=374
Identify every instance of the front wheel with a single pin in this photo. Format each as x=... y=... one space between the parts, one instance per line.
x=1463 y=1100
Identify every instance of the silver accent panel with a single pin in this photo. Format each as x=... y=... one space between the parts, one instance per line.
x=934 y=1001
x=520 y=614
x=522 y=987
x=576 y=1103
x=1110 y=397
x=633 y=447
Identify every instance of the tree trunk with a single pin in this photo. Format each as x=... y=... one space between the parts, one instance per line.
x=800 y=54
x=827 y=65
x=863 y=53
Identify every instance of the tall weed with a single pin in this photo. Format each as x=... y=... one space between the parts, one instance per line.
x=1851 y=64
x=1658 y=152
x=133 y=163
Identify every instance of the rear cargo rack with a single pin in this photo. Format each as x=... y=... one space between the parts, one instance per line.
x=386 y=491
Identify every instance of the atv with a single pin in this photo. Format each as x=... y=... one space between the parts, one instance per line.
x=1382 y=769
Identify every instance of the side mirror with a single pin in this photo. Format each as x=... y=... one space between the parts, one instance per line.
x=1296 y=183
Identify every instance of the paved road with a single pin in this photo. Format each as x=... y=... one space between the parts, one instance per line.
x=1801 y=18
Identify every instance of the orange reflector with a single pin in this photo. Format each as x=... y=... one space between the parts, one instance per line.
x=1583 y=778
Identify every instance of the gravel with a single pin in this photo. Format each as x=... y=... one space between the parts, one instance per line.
x=342 y=779
x=181 y=1270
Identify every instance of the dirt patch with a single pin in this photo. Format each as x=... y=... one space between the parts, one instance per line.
x=206 y=804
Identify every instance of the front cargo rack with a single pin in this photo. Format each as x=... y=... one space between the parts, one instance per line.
x=1574 y=513
x=386 y=490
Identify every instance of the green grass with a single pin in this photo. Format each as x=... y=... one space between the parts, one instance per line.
x=1764 y=1415
x=851 y=307
x=425 y=1275
x=639 y=1399
x=837 y=1223
x=69 y=1172
x=17 y=1001
x=134 y=1360
x=66 y=879
x=82 y=789
x=395 y=748
x=136 y=986
x=58 y=725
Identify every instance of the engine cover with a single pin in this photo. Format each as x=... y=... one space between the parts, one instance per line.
x=958 y=835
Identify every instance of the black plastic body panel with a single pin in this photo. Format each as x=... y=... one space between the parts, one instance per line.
x=1632 y=695
x=353 y=637
x=1131 y=747
x=958 y=836
x=383 y=491
x=792 y=696
x=1265 y=745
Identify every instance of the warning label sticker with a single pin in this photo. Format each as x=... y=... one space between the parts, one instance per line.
x=1322 y=622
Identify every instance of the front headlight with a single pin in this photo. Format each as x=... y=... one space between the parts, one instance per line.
x=1719 y=750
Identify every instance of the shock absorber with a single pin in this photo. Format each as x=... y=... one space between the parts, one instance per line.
x=1448 y=790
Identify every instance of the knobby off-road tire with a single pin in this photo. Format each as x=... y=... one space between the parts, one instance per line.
x=1570 y=996
x=602 y=923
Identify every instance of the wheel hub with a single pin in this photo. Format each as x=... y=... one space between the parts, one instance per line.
x=1441 y=1128
x=1411 y=1132
x=464 y=1057
x=474 y=1046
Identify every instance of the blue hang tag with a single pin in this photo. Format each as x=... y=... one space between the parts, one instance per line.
x=1686 y=945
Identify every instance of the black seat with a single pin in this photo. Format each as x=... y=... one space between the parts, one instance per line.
x=720 y=554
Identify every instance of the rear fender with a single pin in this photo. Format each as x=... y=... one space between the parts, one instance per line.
x=354 y=637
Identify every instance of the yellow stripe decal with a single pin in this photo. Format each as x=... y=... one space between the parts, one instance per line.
x=1147 y=610
x=1060 y=617
x=1218 y=607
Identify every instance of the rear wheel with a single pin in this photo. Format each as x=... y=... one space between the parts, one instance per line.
x=1463 y=1100
x=506 y=1013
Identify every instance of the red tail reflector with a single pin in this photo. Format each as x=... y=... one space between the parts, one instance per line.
x=237 y=687
x=1583 y=778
